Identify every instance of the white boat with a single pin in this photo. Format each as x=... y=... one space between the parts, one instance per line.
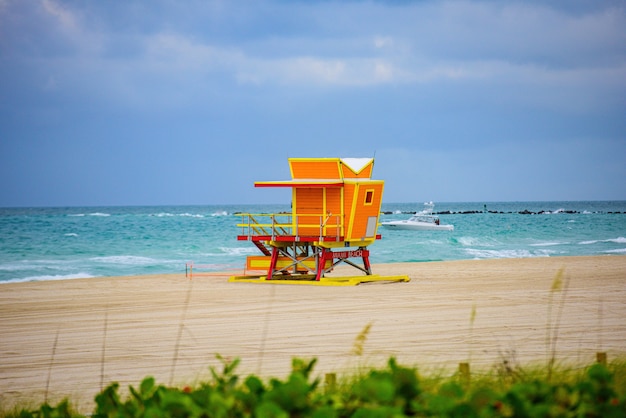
x=421 y=221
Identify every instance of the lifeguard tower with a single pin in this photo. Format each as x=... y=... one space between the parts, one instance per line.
x=334 y=218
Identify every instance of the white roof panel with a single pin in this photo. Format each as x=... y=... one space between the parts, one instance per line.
x=356 y=164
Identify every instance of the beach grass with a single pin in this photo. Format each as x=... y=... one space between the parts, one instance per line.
x=398 y=390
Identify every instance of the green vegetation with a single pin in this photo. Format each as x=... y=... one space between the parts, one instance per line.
x=392 y=391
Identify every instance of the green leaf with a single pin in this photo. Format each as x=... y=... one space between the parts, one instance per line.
x=270 y=410
x=302 y=366
x=147 y=387
x=325 y=412
x=376 y=388
x=254 y=385
x=451 y=390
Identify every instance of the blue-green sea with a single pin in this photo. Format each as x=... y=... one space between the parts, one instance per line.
x=84 y=242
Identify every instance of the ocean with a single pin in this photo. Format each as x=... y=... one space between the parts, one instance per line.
x=85 y=242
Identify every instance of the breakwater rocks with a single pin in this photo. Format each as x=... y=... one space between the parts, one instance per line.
x=522 y=212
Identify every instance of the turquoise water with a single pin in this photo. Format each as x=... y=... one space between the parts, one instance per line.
x=64 y=243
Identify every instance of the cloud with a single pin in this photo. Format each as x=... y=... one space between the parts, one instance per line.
x=434 y=88
x=61 y=14
x=406 y=44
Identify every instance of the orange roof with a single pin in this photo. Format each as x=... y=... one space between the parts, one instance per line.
x=301 y=182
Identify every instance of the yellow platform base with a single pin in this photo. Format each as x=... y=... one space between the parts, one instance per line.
x=324 y=281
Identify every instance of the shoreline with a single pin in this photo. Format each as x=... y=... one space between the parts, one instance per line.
x=76 y=336
x=227 y=273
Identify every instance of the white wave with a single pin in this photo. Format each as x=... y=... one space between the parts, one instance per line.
x=220 y=213
x=430 y=242
x=619 y=240
x=547 y=244
x=618 y=251
x=76 y=214
x=475 y=241
x=71 y=234
x=467 y=241
x=59 y=265
x=171 y=215
x=13 y=267
x=49 y=277
x=99 y=214
x=239 y=250
x=506 y=253
x=191 y=215
x=588 y=242
x=126 y=259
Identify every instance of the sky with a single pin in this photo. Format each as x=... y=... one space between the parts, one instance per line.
x=163 y=102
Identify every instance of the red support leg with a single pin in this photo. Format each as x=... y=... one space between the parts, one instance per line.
x=273 y=260
x=321 y=263
x=366 y=261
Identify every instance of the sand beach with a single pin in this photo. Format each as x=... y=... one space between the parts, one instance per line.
x=71 y=338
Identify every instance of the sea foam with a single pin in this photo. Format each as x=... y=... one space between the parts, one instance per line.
x=49 y=277
x=619 y=240
x=126 y=259
x=517 y=253
x=237 y=251
x=172 y=215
